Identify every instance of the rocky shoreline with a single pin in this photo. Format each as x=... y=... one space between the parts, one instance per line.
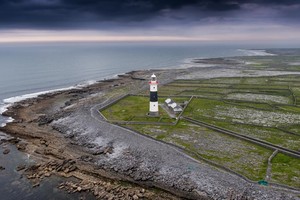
x=58 y=154
x=63 y=131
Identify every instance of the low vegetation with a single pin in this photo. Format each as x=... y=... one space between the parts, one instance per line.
x=221 y=149
x=265 y=108
x=134 y=109
x=285 y=170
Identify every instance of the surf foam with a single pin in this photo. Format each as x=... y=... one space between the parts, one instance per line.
x=10 y=101
x=256 y=52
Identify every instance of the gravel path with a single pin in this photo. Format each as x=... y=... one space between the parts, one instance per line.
x=269 y=169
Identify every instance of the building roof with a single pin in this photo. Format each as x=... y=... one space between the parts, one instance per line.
x=173 y=105
x=177 y=108
x=167 y=101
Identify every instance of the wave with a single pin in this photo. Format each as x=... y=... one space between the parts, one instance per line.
x=256 y=52
x=6 y=103
x=15 y=99
x=3 y=135
x=190 y=60
x=8 y=120
x=3 y=108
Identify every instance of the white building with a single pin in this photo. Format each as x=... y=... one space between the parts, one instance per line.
x=173 y=107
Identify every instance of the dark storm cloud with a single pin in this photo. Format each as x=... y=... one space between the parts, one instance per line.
x=58 y=14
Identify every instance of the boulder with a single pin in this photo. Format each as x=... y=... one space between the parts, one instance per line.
x=47 y=174
x=22 y=146
x=6 y=151
x=20 y=167
x=14 y=140
x=86 y=158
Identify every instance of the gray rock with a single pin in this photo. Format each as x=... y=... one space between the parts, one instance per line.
x=22 y=146
x=13 y=140
x=6 y=151
x=21 y=167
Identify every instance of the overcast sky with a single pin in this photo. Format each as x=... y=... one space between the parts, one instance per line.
x=122 y=20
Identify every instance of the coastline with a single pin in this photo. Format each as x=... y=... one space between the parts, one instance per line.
x=185 y=63
x=39 y=150
x=36 y=117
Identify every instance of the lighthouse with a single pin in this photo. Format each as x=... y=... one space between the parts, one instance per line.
x=153 y=108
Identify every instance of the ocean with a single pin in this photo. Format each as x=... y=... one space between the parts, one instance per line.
x=29 y=69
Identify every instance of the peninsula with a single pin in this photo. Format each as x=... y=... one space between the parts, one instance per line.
x=237 y=137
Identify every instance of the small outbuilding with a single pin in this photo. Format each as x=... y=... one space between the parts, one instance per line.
x=168 y=101
x=173 y=106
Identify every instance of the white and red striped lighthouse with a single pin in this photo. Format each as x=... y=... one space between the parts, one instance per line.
x=153 y=108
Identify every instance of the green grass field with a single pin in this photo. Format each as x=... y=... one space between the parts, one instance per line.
x=247 y=120
x=286 y=170
x=265 y=108
x=221 y=149
x=135 y=109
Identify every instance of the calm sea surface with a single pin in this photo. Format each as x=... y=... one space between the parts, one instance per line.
x=26 y=68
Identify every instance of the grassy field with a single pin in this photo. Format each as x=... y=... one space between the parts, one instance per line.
x=221 y=149
x=285 y=170
x=260 y=122
x=265 y=108
x=135 y=109
x=280 y=62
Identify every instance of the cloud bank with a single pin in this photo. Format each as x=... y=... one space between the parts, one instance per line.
x=179 y=19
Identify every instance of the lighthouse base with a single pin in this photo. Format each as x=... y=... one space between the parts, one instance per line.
x=153 y=114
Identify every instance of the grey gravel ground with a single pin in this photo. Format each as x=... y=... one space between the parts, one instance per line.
x=145 y=159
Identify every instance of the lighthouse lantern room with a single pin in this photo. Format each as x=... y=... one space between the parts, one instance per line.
x=153 y=96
